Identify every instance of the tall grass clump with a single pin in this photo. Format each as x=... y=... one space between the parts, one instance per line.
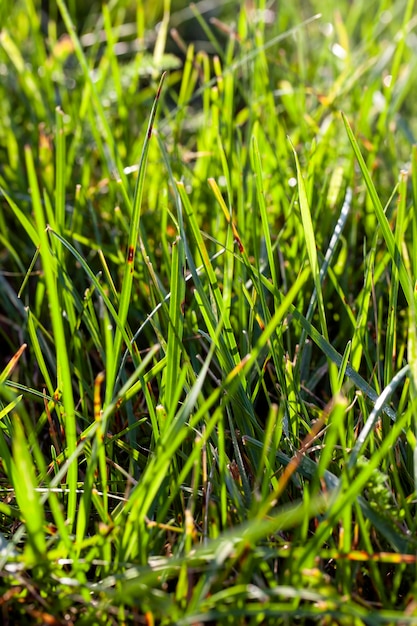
x=208 y=376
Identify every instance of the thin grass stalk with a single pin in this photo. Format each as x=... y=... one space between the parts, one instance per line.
x=60 y=180
x=358 y=339
x=391 y=334
x=132 y=247
x=25 y=484
x=64 y=373
x=170 y=390
x=330 y=252
x=263 y=213
x=311 y=245
x=105 y=126
x=381 y=217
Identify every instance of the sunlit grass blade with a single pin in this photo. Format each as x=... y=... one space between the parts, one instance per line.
x=170 y=389
x=311 y=245
x=350 y=490
x=262 y=210
x=23 y=219
x=381 y=217
x=370 y=423
x=64 y=373
x=36 y=347
x=12 y=364
x=392 y=322
x=358 y=339
x=25 y=485
x=330 y=252
x=212 y=419
x=132 y=245
x=343 y=365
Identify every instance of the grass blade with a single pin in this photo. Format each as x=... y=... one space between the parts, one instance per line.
x=64 y=373
x=132 y=245
x=381 y=217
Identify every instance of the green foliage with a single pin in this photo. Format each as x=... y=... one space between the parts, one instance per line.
x=208 y=374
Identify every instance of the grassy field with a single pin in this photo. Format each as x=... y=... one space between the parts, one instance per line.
x=208 y=364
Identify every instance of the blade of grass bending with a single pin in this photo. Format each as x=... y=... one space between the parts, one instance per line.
x=64 y=374
x=28 y=273
x=371 y=421
x=132 y=246
x=9 y=408
x=405 y=279
x=337 y=358
x=343 y=365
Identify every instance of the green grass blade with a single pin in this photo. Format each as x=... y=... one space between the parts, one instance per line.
x=25 y=484
x=381 y=217
x=127 y=283
x=64 y=373
x=170 y=390
x=311 y=245
x=262 y=210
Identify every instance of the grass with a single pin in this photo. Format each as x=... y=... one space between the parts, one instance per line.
x=208 y=376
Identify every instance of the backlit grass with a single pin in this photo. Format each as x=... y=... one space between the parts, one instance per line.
x=208 y=372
